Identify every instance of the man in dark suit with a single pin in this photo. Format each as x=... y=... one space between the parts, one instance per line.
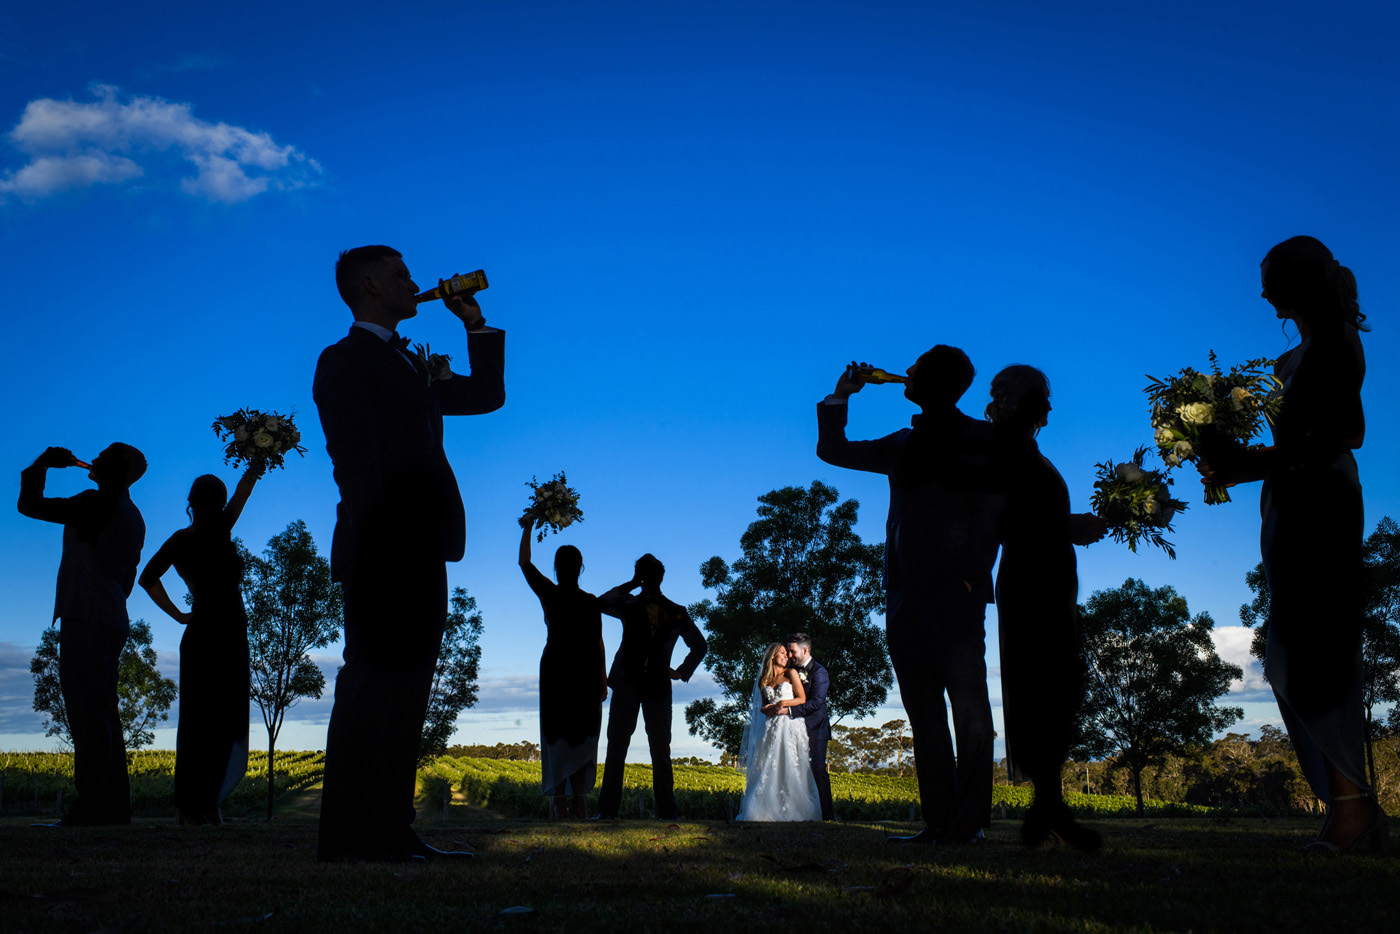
x=399 y=521
x=102 y=537
x=817 y=682
x=641 y=679
x=941 y=542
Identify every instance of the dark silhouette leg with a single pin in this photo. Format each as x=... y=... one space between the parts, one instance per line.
x=657 y=718
x=622 y=723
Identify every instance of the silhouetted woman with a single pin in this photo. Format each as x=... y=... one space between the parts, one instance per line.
x=573 y=680
x=1311 y=538
x=211 y=744
x=1042 y=669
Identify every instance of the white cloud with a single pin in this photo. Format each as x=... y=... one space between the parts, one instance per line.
x=72 y=144
x=1232 y=645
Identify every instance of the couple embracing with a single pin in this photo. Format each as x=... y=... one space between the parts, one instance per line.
x=783 y=750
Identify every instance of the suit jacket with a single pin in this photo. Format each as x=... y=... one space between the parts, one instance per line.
x=650 y=627
x=941 y=532
x=383 y=425
x=814 y=676
x=102 y=537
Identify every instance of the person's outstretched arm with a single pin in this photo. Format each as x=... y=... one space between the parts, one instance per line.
x=484 y=388
x=533 y=575
x=832 y=444
x=32 y=501
x=243 y=490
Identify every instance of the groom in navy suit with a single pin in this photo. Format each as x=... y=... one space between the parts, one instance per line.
x=399 y=521
x=816 y=681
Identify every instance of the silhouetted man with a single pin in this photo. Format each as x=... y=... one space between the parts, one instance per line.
x=102 y=537
x=641 y=678
x=941 y=542
x=399 y=521
x=813 y=711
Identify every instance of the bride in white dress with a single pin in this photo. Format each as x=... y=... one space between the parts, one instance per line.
x=779 y=785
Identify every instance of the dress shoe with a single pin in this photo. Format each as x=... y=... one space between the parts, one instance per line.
x=925 y=837
x=1056 y=821
x=429 y=852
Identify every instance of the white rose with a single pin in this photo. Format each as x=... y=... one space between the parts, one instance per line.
x=1180 y=451
x=240 y=434
x=1150 y=507
x=262 y=439
x=1195 y=413
x=271 y=423
x=1238 y=395
x=1129 y=472
x=1165 y=436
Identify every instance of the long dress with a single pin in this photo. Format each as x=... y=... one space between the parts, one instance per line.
x=779 y=785
x=571 y=685
x=1311 y=544
x=211 y=743
x=1037 y=623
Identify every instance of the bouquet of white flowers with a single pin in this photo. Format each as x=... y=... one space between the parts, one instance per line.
x=553 y=505
x=1230 y=407
x=252 y=436
x=1135 y=503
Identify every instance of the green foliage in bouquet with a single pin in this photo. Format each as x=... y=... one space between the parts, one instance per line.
x=1230 y=407
x=553 y=505
x=251 y=436
x=1135 y=502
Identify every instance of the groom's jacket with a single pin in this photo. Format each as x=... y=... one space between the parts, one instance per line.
x=816 y=681
x=383 y=424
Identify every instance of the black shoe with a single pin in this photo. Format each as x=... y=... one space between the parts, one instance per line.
x=925 y=837
x=1058 y=822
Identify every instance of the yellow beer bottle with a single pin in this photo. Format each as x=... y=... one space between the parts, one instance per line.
x=877 y=375
x=457 y=285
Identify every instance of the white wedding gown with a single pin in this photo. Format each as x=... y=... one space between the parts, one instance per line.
x=779 y=785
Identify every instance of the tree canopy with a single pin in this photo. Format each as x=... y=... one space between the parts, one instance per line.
x=1154 y=676
x=802 y=568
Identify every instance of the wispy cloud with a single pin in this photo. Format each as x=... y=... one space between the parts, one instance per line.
x=112 y=140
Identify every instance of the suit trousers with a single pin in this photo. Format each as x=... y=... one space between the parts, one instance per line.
x=816 y=754
x=89 y=655
x=938 y=646
x=393 y=632
x=622 y=723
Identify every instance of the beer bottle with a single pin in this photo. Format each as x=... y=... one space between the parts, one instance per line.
x=877 y=375
x=457 y=285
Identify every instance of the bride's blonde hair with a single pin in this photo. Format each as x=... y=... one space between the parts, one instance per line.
x=765 y=672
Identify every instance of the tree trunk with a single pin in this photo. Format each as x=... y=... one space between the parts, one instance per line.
x=1137 y=787
x=271 y=776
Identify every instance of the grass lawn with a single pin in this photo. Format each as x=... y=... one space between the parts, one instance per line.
x=1178 y=874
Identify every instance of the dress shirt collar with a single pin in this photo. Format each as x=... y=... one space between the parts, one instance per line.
x=378 y=330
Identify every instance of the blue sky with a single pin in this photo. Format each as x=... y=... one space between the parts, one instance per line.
x=692 y=215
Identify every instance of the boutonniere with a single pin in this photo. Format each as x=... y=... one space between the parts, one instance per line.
x=802 y=675
x=435 y=365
